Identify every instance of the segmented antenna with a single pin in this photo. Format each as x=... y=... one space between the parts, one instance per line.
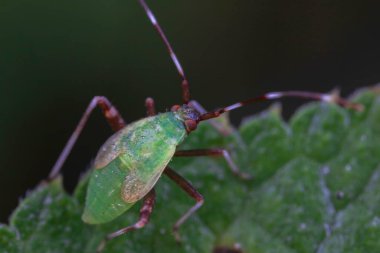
x=156 y=25
x=332 y=98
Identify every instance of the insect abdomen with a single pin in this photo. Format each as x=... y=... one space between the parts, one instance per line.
x=103 y=201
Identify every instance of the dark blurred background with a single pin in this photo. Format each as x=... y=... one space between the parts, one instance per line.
x=56 y=55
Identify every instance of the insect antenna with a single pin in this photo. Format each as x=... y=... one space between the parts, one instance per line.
x=156 y=25
x=332 y=98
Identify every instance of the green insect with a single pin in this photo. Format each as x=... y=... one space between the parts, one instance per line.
x=131 y=161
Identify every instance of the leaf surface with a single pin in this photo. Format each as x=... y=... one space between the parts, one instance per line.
x=316 y=188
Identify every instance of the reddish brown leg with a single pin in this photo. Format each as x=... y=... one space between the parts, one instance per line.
x=112 y=116
x=145 y=212
x=189 y=189
x=150 y=108
x=215 y=152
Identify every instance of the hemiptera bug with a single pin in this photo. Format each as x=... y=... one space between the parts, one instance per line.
x=131 y=161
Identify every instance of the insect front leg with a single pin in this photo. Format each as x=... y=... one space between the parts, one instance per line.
x=216 y=152
x=145 y=212
x=189 y=189
x=112 y=116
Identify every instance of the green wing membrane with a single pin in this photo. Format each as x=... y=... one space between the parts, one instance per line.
x=132 y=161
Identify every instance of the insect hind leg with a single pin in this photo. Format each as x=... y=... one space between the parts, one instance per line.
x=112 y=116
x=191 y=191
x=145 y=212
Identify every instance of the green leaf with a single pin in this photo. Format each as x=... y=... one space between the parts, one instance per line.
x=8 y=242
x=316 y=188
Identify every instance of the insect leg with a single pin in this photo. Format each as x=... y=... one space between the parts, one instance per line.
x=156 y=25
x=189 y=189
x=219 y=127
x=150 y=108
x=145 y=212
x=112 y=116
x=215 y=152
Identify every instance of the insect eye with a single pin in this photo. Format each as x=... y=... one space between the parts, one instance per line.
x=191 y=125
x=175 y=108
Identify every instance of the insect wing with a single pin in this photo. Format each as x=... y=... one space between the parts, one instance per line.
x=138 y=155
